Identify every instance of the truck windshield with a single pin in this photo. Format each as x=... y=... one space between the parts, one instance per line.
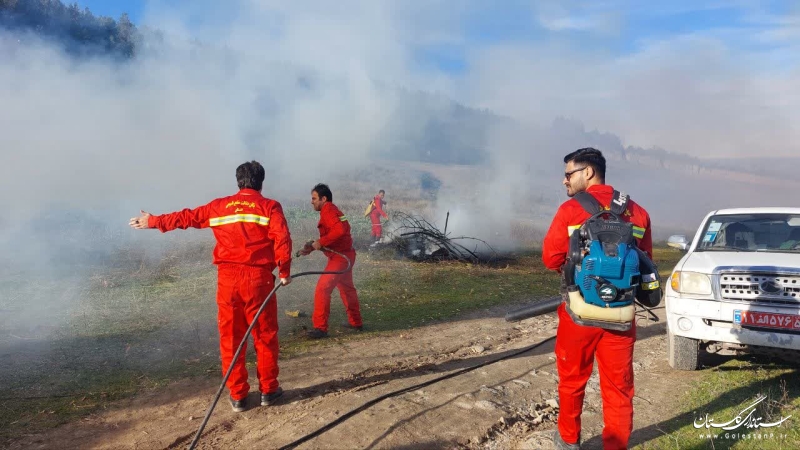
x=752 y=232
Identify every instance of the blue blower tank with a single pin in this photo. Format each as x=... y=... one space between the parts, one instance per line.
x=608 y=277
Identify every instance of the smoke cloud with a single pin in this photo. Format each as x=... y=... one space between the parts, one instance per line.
x=312 y=89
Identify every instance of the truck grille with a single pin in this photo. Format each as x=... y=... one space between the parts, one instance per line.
x=760 y=288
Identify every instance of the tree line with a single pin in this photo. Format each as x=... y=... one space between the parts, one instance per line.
x=77 y=30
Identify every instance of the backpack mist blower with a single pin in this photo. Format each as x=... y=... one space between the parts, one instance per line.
x=605 y=272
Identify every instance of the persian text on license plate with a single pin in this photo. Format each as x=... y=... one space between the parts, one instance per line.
x=768 y=320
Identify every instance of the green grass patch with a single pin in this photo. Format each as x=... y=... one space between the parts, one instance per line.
x=725 y=392
x=401 y=295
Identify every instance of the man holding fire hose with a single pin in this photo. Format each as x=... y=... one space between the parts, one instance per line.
x=334 y=233
x=253 y=239
x=577 y=344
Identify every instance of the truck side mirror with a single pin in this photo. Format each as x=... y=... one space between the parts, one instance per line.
x=678 y=241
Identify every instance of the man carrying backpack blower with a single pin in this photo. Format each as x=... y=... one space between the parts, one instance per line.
x=586 y=329
x=375 y=213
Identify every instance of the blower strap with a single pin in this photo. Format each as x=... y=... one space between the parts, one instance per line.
x=619 y=202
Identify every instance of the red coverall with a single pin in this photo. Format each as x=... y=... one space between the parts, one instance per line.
x=252 y=239
x=576 y=344
x=334 y=233
x=375 y=217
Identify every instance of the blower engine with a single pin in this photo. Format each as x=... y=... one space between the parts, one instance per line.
x=601 y=264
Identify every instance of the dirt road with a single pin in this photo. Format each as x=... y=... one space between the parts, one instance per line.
x=505 y=404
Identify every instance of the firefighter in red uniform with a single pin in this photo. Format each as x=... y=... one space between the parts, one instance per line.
x=334 y=233
x=252 y=240
x=577 y=345
x=376 y=213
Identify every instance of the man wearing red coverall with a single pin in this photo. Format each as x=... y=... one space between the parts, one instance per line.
x=252 y=240
x=576 y=345
x=376 y=213
x=334 y=233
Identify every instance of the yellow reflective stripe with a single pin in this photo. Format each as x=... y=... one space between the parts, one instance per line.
x=248 y=218
x=638 y=232
x=572 y=228
x=653 y=285
x=343 y=219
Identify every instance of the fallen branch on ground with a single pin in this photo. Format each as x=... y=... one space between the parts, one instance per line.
x=420 y=240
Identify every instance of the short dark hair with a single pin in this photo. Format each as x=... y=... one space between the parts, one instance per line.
x=591 y=157
x=381 y=191
x=250 y=175
x=323 y=191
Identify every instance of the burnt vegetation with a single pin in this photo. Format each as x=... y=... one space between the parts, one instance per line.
x=415 y=238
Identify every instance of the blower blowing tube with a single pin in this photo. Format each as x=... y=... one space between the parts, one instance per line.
x=537 y=309
x=252 y=324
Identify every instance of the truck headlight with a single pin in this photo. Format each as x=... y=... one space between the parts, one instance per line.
x=691 y=283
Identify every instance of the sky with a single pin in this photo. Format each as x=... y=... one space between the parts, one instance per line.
x=715 y=77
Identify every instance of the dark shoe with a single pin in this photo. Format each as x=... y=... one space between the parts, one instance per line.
x=316 y=333
x=270 y=399
x=238 y=405
x=561 y=445
x=351 y=327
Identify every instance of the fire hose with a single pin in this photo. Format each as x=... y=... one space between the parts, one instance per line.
x=539 y=308
x=355 y=411
x=252 y=324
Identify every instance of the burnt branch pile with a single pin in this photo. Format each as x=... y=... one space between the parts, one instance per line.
x=418 y=239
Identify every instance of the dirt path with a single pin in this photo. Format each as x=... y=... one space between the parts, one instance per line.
x=499 y=405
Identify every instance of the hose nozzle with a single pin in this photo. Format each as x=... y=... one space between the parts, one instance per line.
x=307 y=246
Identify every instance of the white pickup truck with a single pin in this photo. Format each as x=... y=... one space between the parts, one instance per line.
x=737 y=289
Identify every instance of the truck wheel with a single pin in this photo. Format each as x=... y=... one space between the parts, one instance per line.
x=684 y=353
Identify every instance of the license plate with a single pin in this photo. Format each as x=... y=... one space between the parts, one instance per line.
x=767 y=320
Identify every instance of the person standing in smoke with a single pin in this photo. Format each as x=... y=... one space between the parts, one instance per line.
x=376 y=213
x=334 y=233
x=252 y=240
x=577 y=345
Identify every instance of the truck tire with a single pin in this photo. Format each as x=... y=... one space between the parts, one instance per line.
x=684 y=353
